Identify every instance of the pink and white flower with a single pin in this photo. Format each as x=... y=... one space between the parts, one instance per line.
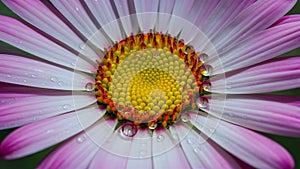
x=49 y=91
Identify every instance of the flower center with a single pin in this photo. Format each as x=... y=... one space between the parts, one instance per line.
x=150 y=79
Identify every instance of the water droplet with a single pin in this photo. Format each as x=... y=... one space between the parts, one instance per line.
x=202 y=102
x=191 y=140
x=80 y=139
x=207 y=70
x=153 y=126
x=73 y=64
x=53 y=79
x=202 y=57
x=206 y=86
x=25 y=81
x=89 y=86
x=185 y=117
x=142 y=153
x=160 y=138
x=82 y=46
x=197 y=150
x=128 y=130
x=33 y=76
x=9 y=76
x=66 y=107
x=49 y=131
x=60 y=83
x=76 y=8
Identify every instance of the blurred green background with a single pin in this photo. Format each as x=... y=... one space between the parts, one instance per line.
x=291 y=144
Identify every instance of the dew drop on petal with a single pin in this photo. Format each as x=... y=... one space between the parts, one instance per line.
x=80 y=139
x=128 y=130
x=160 y=138
x=76 y=8
x=60 y=83
x=197 y=150
x=185 y=117
x=202 y=57
x=53 y=79
x=89 y=87
x=153 y=126
x=202 y=102
x=207 y=70
x=66 y=107
x=206 y=86
x=190 y=140
x=82 y=46
x=33 y=76
x=9 y=76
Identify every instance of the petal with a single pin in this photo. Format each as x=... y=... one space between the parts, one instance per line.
x=45 y=133
x=225 y=12
x=287 y=19
x=254 y=149
x=23 y=37
x=81 y=149
x=203 y=153
x=75 y=12
x=108 y=160
x=39 y=15
x=23 y=110
x=273 y=75
x=263 y=46
x=30 y=72
x=255 y=18
x=77 y=152
x=146 y=21
x=166 y=152
x=267 y=113
x=200 y=11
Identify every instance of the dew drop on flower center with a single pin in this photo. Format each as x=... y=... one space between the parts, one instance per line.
x=151 y=80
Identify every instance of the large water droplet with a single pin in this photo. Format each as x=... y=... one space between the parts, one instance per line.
x=128 y=130
x=202 y=102
x=89 y=86
x=202 y=57
x=206 y=86
x=207 y=70
x=185 y=117
x=160 y=138
x=153 y=126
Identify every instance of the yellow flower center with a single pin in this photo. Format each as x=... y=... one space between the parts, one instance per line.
x=148 y=79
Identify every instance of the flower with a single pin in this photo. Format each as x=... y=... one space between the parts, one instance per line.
x=150 y=84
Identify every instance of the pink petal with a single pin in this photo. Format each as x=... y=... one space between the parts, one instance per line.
x=203 y=153
x=39 y=15
x=267 y=113
x=257 y=17
x=273 y=75
x=225 y=12
x=24 y=110
x=107 y=160
x=17 y=34
x=77 y=152
x=30 y=72
x=45 y=133
x=77 y=15
x=146 y=21
x=166 y=151
x=287 y=19
x=262 y=46
x=252 y=148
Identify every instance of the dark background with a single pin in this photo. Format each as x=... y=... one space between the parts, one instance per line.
x=291 y=144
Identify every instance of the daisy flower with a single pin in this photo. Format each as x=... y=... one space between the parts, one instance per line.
x=150 y=83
